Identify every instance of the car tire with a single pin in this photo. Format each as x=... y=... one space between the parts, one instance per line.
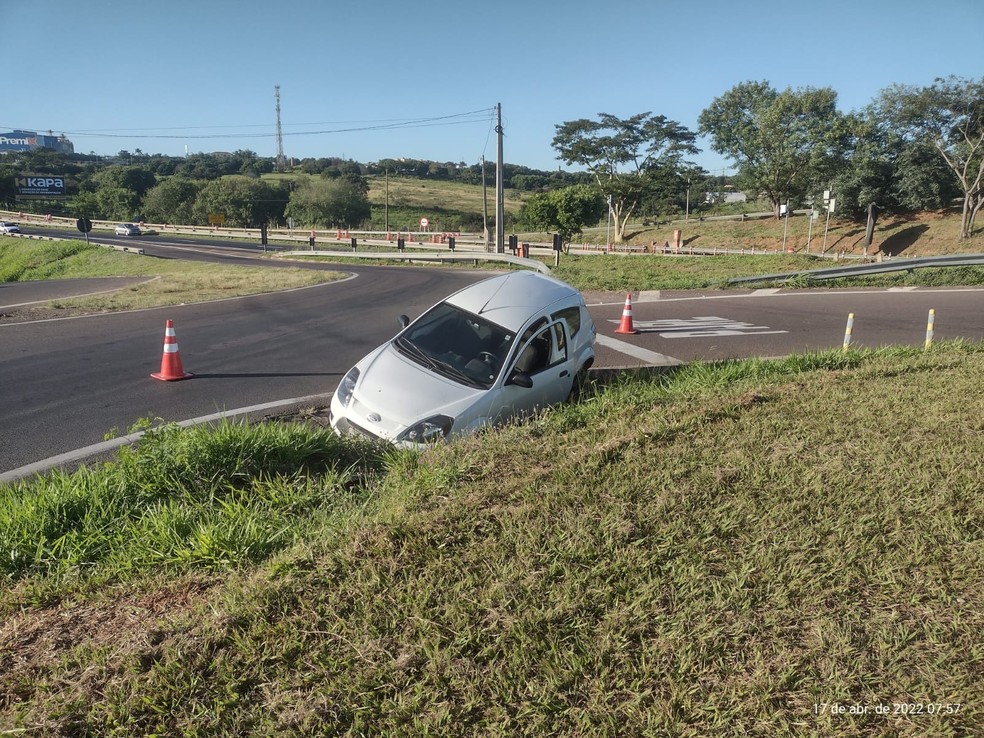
x=575 y=394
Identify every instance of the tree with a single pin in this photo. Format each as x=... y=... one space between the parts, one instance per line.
x=329 y=202
x=869 y=173
x=247 y=162
x=622 y=154
x=118 y=203
x=136 y=179
x=171 y=201
x=205 y=166
x=565 y=211
x=786 y=144
x=8 y=193
x=949 y=116
x=84 y=204
x=244 y=201
x=119 y=191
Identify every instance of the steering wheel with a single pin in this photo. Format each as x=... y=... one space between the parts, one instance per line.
x=488 y=358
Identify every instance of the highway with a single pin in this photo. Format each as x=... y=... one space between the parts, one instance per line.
x=67 y=383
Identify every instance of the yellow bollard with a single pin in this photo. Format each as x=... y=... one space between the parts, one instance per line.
x=930 y=326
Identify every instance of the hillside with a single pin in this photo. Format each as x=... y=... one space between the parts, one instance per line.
x=921 y=234
x=739 y=549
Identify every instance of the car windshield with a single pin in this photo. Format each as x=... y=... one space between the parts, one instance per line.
x=457 y=344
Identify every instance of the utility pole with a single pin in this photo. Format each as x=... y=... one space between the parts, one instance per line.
x=500 y=214
x=281 y=161
x=485 y=210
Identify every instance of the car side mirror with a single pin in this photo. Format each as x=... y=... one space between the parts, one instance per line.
x=521 y=379
x=404 y=321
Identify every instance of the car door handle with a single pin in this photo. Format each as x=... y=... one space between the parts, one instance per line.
x=564 y=373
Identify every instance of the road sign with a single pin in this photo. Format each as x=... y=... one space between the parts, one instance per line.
x=84 y=225
x=424 y=222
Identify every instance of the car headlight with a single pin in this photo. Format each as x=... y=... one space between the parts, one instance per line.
x=430 y=430
x=347 y=386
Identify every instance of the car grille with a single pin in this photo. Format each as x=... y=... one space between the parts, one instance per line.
x=347 y=427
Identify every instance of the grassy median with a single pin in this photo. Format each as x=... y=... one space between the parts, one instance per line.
x=741 y=548
x=169 y=281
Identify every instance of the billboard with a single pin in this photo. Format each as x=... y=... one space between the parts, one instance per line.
x=18 y=141
x=27 y=140
x=38 y=185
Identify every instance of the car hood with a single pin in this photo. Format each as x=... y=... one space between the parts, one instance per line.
x=403 y=392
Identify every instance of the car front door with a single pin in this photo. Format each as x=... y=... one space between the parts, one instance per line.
x=545 y=358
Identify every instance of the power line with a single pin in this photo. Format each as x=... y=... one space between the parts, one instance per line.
x=474 y=116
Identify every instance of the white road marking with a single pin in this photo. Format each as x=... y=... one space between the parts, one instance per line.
x=700 y=327
x=637 y=352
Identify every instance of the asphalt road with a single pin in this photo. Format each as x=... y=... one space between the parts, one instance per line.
x=65 y=383
x=766 y=323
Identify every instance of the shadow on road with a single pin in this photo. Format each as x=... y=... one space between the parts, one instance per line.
x=264 y=375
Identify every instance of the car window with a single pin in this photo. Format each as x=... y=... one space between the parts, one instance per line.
x=545 y=349
x=560 y=344
x=572 y=316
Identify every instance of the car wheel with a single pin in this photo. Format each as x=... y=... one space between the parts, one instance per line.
x=575 y=394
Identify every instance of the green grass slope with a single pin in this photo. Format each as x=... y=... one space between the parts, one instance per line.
x=734 y=549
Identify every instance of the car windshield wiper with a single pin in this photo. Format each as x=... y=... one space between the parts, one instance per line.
x=454 y=372
x=441 y=367
x=414 y=352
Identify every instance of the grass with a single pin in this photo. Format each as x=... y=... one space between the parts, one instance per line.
x=213 y=497
x=720 y=549
x=692 y=273
x=169 y=281
x=452 y=196
x=672 y=272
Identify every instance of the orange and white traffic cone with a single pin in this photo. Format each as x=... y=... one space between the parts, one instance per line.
x=171 y=369
x=626 y=325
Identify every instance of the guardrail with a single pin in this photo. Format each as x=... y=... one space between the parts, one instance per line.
x=438 y=256
x=884 y=267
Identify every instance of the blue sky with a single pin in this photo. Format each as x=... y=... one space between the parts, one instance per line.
x=421 y=79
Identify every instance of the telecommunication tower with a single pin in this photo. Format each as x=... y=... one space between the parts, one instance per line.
x=281 y=161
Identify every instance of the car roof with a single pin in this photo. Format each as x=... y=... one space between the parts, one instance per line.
x=511 y=299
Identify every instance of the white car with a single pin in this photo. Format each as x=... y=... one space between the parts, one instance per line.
x=501 y=348
x=127 y=229
x=8 y=227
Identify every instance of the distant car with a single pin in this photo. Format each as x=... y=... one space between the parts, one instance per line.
x=127 y=229
x=498 y=349
x=8 y=227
